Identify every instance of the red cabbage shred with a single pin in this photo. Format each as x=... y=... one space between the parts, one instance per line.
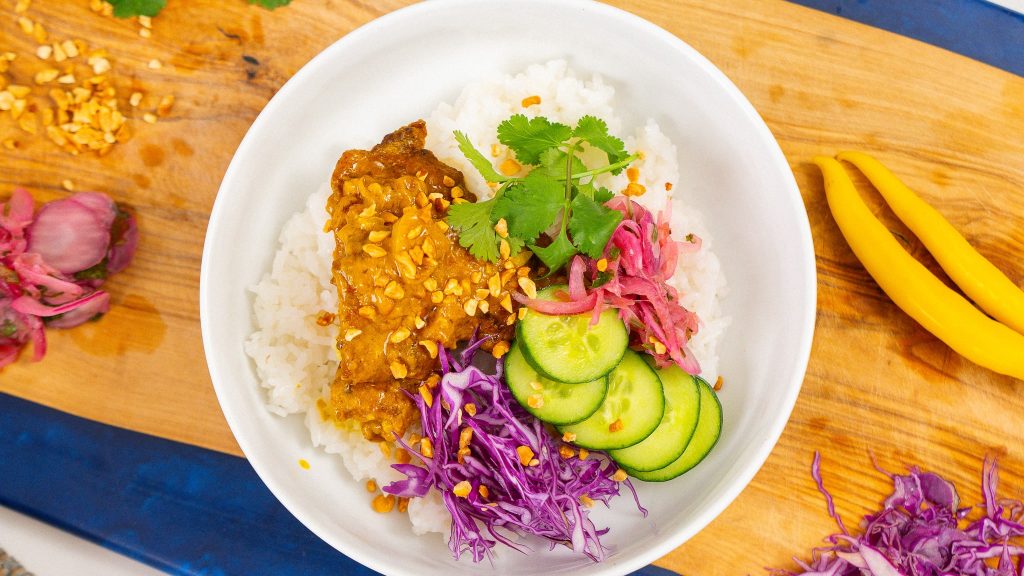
x=542 y=500
x=921 y=530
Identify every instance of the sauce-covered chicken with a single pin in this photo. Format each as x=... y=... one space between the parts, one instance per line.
x=405 y=286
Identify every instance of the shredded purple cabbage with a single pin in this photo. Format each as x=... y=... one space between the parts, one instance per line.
x=543 y=500
x=918 y=533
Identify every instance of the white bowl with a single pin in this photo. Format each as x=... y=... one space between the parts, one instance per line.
x=397 y=69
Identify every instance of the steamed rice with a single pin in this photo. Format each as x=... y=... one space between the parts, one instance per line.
x=295 y=357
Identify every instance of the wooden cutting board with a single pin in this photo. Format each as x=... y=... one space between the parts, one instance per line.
x=877 y=383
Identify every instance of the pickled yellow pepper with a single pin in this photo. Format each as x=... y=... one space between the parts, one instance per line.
x=943 y=312
x=983 y=283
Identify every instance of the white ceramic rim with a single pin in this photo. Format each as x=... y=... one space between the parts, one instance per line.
x=794 y=200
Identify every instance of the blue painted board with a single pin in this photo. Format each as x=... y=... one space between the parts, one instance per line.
x=179 y=508
x=975 y=28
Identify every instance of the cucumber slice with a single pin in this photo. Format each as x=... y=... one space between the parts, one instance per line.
x=567 y=348
x=673 y=434
x=633 y=408
x=709 y=429
x=556 y=402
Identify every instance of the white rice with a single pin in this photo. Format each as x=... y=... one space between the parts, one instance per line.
x=296 y=359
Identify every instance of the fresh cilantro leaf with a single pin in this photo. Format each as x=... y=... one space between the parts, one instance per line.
x=531 y=137
x=476 y=231
x=478 y=160
x=602 y=195
x=8 y=329
x=552 y=163
x=271 y=4
x=531 y=205
x=594 y=131
x=601 y=279
x=515 y=244
x=591 y=225
x=129 y=8
x=557 y=254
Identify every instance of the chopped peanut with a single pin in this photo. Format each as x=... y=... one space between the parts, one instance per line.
x=531 y=101
x=465 y=437
x=484 y=492
x=394 y=290
x=584 y=453
x=494 y=285
x=398 y=370
x=470 y=408
x=566 y=452
x=525 y=454
x=509 y=167
x=400 y=335
x=528 y=286
x=426 y=448
x=535 y=401
x=431 y=347
x=374 y=251
x=462 y=489
x=371 y=485
x=619 y=475
x=427 y=395
x=378 y=235
x=501 y=228
x=501 y=348
x=616 y=426
x=586 y=501
x=383 y=504
x=634 y=189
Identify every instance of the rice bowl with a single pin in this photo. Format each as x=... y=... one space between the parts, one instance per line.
x=757 y=414
x=294 y=355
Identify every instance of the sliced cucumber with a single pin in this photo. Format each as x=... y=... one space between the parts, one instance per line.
x=630 y=412
x=673 y=434
x=709 y=428
x=567 y=348
x=553 y=402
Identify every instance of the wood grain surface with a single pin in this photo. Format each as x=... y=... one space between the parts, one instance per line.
x=877 y=383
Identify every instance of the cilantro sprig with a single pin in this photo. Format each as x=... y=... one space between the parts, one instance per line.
x=129 y=8
x=556 y=201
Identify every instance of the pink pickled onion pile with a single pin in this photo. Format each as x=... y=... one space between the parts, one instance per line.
x=922 y=531
x=53 y=262
x=642 y=257
x=545 y=500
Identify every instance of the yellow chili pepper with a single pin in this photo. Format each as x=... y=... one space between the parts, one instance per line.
x=943 y=312
x=983 y=283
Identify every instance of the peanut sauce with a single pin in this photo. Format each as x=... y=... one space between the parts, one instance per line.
x=404 y=283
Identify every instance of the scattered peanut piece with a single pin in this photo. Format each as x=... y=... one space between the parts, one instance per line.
x=531 y=101
x=383 y=504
